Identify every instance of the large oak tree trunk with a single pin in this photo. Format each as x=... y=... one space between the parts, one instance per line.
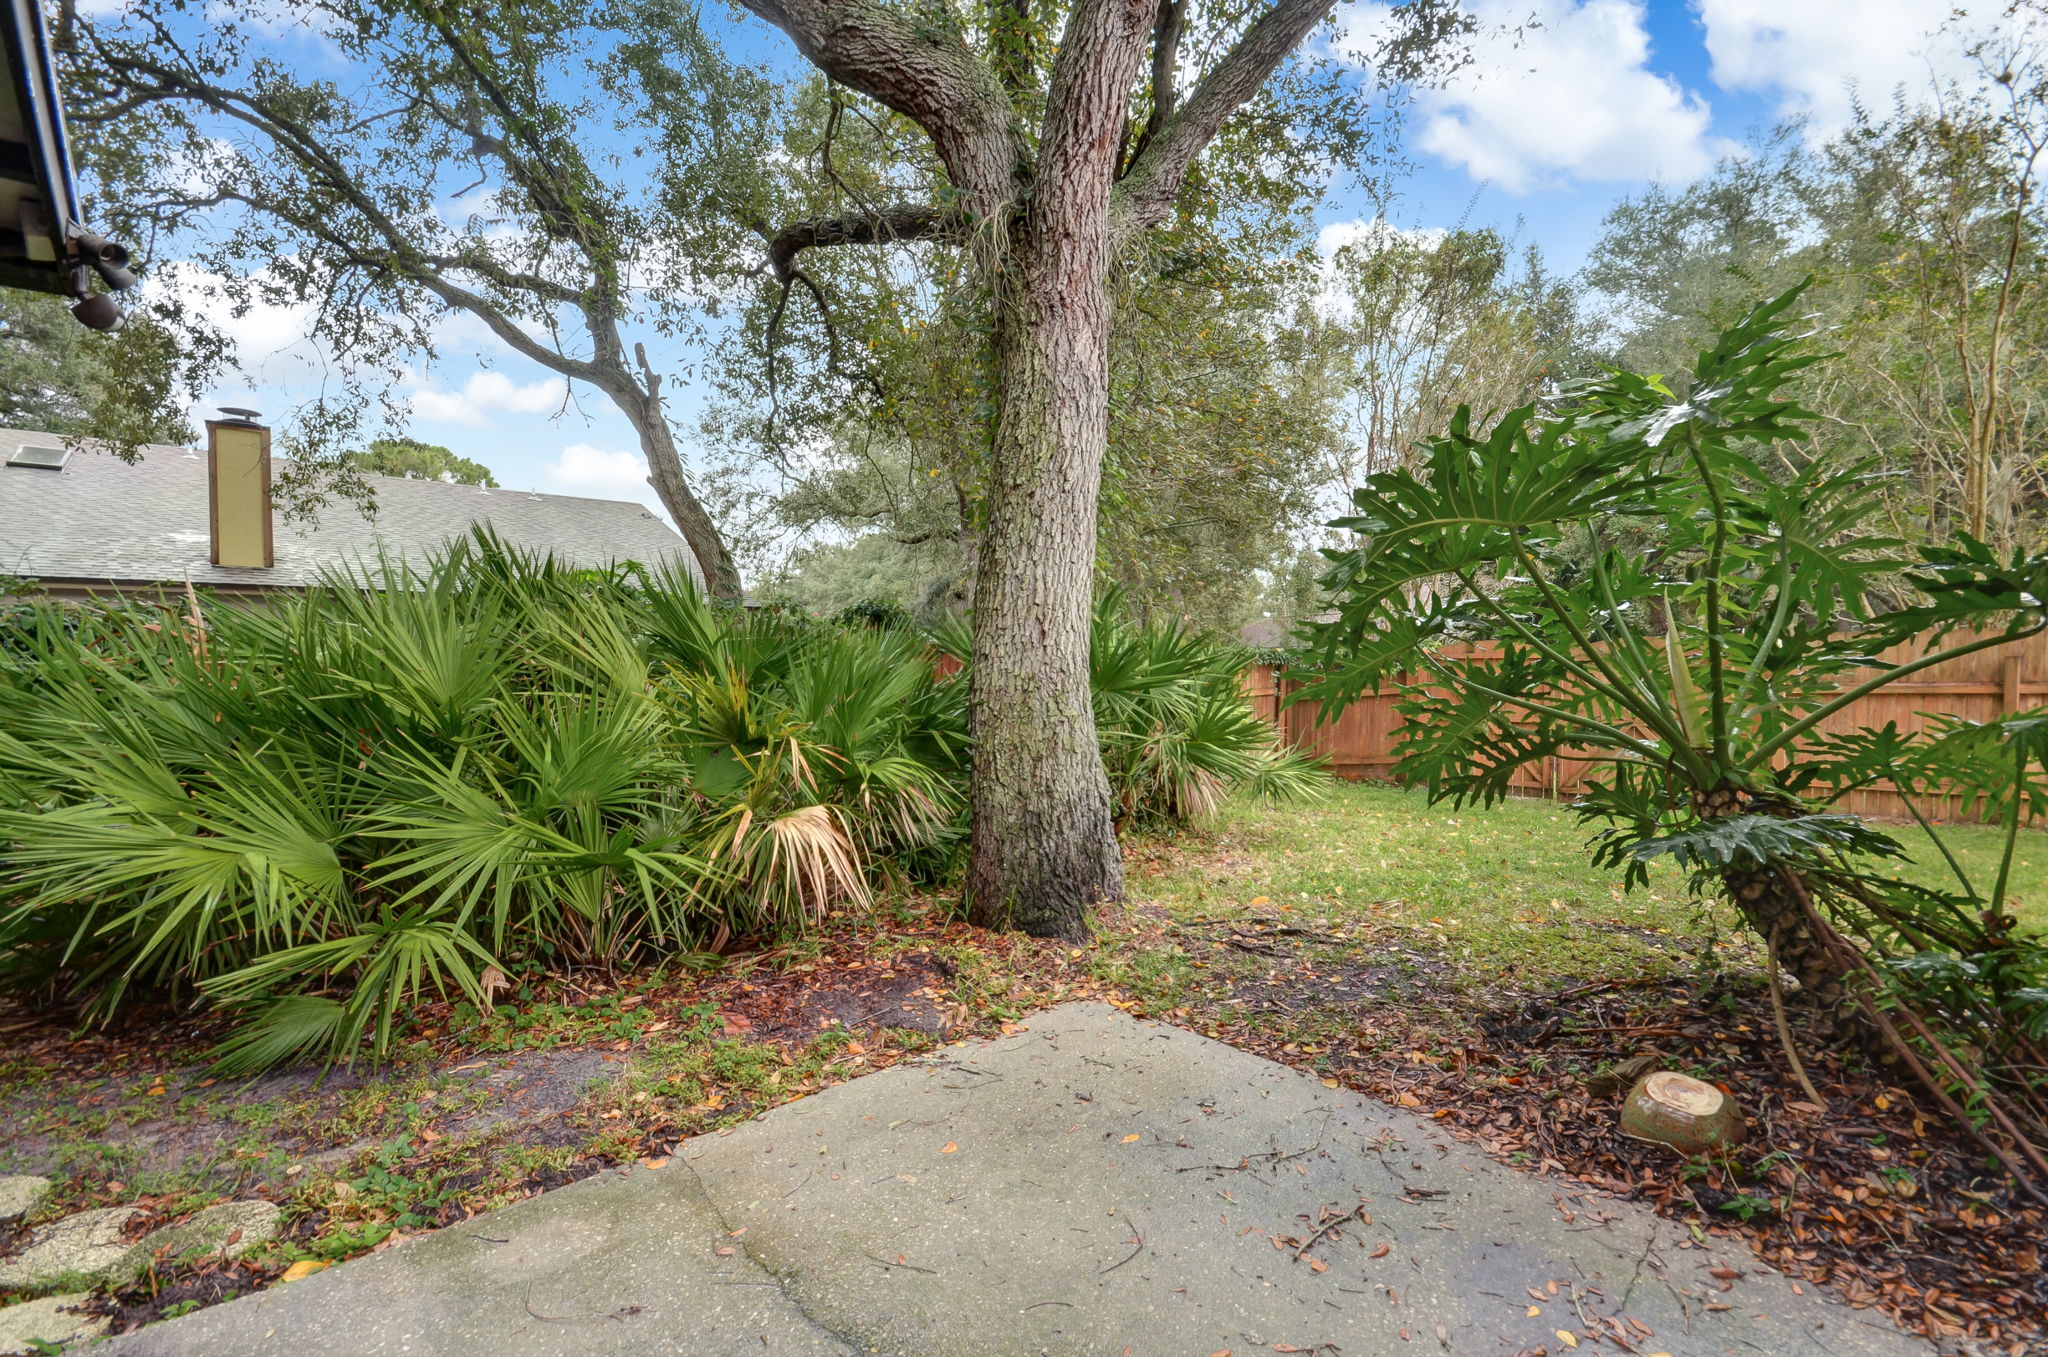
x=1047 y=226
x=1043 y=846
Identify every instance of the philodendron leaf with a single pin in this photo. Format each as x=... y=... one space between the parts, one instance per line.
x=1686 y=700
x=1746 y=842
x=1698 y=410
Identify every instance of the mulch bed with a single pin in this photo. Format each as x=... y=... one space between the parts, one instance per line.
x=907 y=991
x=1873 y=1194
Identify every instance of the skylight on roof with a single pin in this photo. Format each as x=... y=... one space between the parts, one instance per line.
x=39 y=458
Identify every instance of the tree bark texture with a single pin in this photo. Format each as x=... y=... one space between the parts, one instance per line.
x=1772 y=901
x=1043 y=845
x=1771 y=906
x=665 y=474
x=1046 y=228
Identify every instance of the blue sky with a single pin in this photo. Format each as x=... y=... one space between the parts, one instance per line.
x=1602 y=97
x=1539 y=137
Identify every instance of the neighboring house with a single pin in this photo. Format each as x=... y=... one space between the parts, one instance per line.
x=81 y=522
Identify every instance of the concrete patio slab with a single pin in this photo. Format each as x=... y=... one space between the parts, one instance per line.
x=616 y=1264
x=1091 y=1185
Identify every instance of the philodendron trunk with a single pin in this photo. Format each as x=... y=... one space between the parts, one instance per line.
x=1774 y=901
x=1043 y=845
x=1769 y=900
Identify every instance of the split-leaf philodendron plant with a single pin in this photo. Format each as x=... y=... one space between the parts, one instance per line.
x=1673 y=592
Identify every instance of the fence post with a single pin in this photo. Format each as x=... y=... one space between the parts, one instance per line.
x=2009 y=680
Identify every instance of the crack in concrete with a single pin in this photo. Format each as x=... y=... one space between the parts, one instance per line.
x=851 y=1342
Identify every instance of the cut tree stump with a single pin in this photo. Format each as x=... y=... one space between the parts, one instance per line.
x=1677 y=1110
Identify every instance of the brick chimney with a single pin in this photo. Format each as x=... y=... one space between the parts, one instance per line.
x=238 y=489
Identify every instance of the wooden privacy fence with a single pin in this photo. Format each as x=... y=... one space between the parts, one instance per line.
x=1360 y=743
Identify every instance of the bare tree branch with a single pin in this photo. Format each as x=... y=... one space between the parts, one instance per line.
x=1147 y=192
x=930 y=78
x=513 y=280
x=1166 y=34
x=344 y=212
x=913 y=221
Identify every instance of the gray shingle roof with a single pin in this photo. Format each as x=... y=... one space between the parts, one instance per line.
x=103 y=520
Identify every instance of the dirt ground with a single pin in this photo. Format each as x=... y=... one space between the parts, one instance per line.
x=573 y=1073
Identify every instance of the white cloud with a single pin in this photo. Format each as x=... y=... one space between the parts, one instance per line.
x=1376 y=232
x=262 y=333
x=487 y=394
x=1818 y=56
x=1569 y=97
x=274 y=345
x=603 y=473
x=600 y=473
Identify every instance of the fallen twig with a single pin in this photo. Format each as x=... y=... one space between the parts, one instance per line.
x=577 y=1318
x=1328 y=1226
x=908 y=1267
x=1140 y=1248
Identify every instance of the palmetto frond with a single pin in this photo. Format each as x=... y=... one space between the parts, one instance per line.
x=366 y=794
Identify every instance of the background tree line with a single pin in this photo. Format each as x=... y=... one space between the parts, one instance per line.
x=1259 y=368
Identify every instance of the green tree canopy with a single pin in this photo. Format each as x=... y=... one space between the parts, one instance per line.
x=438 y=159
x=415 y=460
x=58 y=377
x=868 y=392
x=1923 y=229
x=1423 y=322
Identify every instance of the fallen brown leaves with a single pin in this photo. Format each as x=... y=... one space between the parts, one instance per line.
x=1870 y=1194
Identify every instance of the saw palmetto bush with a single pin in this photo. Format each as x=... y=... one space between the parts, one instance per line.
x=1178 y=737
x=1693 y=676
x=1177 y=734
x=416 y=782
x=317 y=812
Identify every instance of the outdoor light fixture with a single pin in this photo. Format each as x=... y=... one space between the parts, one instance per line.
x=99 y=312
x=44 y=245
x=95 y=310
x=94 y=253
x=108 y=258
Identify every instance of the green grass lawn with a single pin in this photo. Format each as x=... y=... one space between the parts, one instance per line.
x=1504 y=892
